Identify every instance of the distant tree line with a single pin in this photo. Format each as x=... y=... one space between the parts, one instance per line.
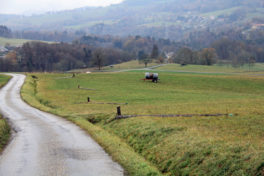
x=206 y=47
x=44 y=57
x=131 y=44
x=206 y=56
x=227 y=50
x=40 y=56
x=55 y=36
x=233 y=47
x=5 y=31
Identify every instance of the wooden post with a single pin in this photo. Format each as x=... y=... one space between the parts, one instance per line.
x=88 y=99
x=119 y=111
x=78 y=86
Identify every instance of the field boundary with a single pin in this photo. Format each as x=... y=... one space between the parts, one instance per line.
x=172 y=115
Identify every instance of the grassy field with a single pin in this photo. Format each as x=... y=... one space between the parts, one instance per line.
x=12 y=42
x=134 y=64
x=16 y=42
x=226 y=145
x=258 y=12
x=220 y=12
x=4 y=128
x=225 y=68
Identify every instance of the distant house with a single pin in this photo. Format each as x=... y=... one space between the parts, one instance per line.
x=258 y=26
x=169 y=56
x=3 y=51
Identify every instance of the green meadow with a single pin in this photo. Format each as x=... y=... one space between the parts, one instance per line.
x=130 y=65
x=4 y=128
x=17 y=42
x=12 y=42
x=217 y=68
x=145 y=145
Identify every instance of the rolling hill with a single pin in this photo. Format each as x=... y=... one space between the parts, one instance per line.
x=158 y=18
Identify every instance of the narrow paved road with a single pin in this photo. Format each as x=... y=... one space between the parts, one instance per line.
x=47 y=145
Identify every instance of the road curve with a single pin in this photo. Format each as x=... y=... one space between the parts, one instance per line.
x=47 y=145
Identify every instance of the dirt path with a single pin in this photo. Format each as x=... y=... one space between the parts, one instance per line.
x=44 y=144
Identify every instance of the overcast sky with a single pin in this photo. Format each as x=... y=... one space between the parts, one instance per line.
x=39 y=6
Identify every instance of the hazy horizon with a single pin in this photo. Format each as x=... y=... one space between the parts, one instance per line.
x=29 y=7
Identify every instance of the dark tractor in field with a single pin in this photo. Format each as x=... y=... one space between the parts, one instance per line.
x=152 y=76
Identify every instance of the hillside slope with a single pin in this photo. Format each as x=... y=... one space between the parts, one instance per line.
x=170 y=18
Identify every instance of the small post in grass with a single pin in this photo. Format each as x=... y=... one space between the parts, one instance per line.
x=79 y=86
x=88 y=99
x=118 y=111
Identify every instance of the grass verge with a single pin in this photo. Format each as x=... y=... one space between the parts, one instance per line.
x=4 y=79
x=4 y=127
x=4 y=133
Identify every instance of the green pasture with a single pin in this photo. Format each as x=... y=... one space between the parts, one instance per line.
x=226 y=145
x=134 y=64
x=217 y=68
x=125 y=66
x=12 y=42
x=16 y=42
x=221 y=12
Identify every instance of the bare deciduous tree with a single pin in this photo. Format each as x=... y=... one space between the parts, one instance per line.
x=98 y=58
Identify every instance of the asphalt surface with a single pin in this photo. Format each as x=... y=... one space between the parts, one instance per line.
x=46 y=145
